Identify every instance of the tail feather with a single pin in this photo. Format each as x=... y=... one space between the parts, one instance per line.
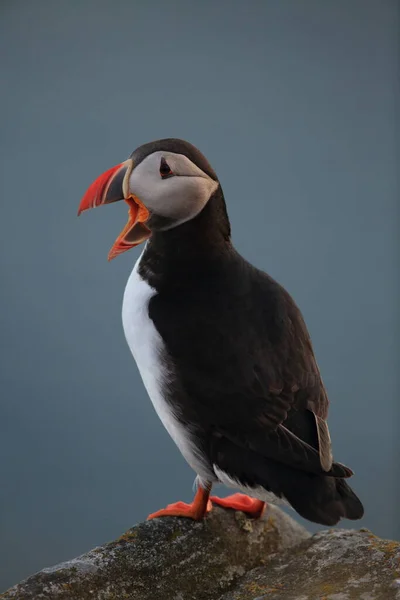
x=321 y=499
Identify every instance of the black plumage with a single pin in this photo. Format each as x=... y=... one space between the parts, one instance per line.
x=243 y=376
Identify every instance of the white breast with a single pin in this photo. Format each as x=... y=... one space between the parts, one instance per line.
x=147 y=348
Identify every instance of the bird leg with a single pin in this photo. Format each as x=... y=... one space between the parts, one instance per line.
x=197 y=510
x=251 y=506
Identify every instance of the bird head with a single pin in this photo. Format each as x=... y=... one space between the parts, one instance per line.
x=165 y=183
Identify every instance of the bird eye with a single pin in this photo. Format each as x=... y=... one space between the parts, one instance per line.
x=165 y=170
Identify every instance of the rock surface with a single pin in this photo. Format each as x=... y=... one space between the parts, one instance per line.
x=227 y=557
x=332 y=565
x=168 y=558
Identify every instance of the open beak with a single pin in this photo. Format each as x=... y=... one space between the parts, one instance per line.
x=112 y=186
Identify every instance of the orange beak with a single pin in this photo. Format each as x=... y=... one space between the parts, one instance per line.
x=112 y=186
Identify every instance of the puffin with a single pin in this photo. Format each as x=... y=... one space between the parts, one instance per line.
x=221 y=347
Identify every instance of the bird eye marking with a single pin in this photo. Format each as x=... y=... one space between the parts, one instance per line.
x=165 y=170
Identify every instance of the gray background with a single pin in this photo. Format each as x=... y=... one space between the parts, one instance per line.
x=294 y=103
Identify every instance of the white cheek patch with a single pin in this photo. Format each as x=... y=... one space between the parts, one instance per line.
x=180 y=197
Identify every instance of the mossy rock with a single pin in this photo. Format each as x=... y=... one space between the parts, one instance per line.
x=168 y=558
x=226 y=557
x=332 y=565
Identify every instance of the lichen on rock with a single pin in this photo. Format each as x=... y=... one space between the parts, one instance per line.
x=332 y=565
x=167 y=558
x=226 y=557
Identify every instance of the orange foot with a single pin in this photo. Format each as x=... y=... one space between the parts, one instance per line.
x=250 y=506
x=197 y=510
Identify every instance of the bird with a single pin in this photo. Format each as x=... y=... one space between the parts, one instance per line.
x=222 y=348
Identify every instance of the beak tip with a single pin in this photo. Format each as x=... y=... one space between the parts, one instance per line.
x=112 y=254
x=83 y=206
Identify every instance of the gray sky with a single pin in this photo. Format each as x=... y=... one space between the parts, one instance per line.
x=294 y=105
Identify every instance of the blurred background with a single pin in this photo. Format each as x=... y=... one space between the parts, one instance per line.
x=295 y=105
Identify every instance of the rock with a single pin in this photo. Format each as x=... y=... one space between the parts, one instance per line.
x=168 y=558
x=332 y=565
x=226 y=557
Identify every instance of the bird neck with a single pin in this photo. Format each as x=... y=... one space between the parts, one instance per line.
x=201 y=244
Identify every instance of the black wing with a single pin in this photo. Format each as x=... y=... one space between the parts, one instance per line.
x=284 y=399
x=246 y=371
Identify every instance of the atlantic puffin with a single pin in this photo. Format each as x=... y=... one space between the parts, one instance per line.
x=222 y=348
